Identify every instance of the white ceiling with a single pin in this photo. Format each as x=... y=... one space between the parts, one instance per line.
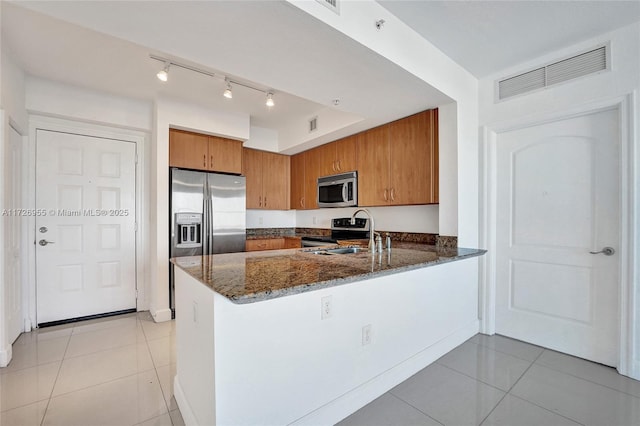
x=486 y=37
x=105 y=45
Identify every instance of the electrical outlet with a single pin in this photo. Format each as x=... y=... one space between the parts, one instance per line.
x=195 y=312
x=327 y=307
x=260 y=220
x=366 y=334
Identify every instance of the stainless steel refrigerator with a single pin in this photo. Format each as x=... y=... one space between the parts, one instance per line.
x=208 y=215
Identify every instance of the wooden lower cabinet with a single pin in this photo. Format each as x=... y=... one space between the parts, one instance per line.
x=273 y=243
x=292 y=242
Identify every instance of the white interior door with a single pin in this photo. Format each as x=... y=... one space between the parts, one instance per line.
x=558 y=199
x=85 y=226
x=14 y=220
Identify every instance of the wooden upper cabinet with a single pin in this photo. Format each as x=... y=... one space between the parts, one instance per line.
x=345 y=156
x=335 y=157
x=297 y=181
x=398 y=162
x=275 y=181
x=252 y=170
x=202 y=152
x=267 y=176
x=313 y=169
x=188 y=150
x=373 y=167
x=225 y=155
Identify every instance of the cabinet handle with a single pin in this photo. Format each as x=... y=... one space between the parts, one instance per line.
x=265 y=201
x=339 y=166
x=204 y=160
x=385 y=195
x=211 y=164
x=260 y=201
x=302 y=202
x=393 y=194
x=333 y=166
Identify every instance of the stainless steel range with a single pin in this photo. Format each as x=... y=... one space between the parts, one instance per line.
x=341 y=229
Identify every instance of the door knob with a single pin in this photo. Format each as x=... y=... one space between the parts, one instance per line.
x=607 y=251
x=43 y=229
x=45 y=242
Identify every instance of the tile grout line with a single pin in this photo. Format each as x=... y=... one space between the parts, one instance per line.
x=411 y=405
x=585 y=379
x=533 y=403
x=508 y=392
x=46 y=409
x=507 y=353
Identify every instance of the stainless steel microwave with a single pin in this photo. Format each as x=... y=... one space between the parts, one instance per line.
x=338 y=190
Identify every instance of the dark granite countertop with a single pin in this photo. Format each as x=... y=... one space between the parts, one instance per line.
x=256 y=276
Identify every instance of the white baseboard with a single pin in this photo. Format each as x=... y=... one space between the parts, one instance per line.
x=185 y=409
x=161 y=315
x=5 y=356
x=343 y=406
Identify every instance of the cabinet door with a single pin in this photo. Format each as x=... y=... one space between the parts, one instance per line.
x=188 y=150
x=292 y=242
x=312 y=170
x=435 y=157
x=324 y=157
x=345 y=157
x=373 y=167
x=225 y=155
x=410 y=160
x=252 y=169
x=275 y=181
x=297 y=181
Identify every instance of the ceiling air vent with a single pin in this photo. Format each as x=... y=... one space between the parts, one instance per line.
x=313 y=124
x=331 y=4
x=590 y=62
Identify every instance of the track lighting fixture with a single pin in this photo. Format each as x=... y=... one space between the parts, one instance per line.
x=163 y=75
x=227 y=93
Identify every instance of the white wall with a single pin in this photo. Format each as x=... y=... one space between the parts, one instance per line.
x=448 y=166
x=594 y=90
x=296 y=137
x=271 y=218
x=277 y=362
x=393 y=218
x=172 y=113
x=262 y=138
x=12 y=110
x=425 y=61
x=62 y=100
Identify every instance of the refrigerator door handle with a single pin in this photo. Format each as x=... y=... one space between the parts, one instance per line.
x=205 y=227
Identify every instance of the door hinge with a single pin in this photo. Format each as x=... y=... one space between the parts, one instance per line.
x=136 y=158
x=135 y=226
x=136 y=294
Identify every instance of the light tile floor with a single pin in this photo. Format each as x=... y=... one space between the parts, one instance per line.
x=118 y=371
x=113 y=371
x=494 y=380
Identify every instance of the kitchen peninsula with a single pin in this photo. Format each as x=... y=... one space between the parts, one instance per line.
x=300 y=336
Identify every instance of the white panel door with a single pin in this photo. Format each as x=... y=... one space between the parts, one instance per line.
x=85 y=226
x=14 y=219
x=558 y=200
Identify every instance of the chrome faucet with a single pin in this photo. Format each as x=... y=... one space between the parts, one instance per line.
x=372 y=243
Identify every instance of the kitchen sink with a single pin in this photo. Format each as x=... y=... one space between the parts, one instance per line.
x=339 y=250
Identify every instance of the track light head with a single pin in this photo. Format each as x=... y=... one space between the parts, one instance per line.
x=163 y=75
x=269 y=102
x=227 y=92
